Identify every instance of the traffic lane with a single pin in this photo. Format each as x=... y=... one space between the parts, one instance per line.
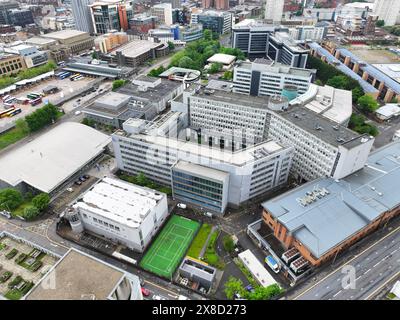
x=332 y=284
x=158 y=291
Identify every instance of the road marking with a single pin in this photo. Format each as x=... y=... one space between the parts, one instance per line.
x=355 y=257
x=337 y=293
x=376 y=264
x=367 y=271
x=393 y=252
x=383 y=285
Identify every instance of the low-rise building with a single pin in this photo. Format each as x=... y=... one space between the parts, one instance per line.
x=109 y=41
x=31 y=55
x=197 y=272
x=11 y=64
x=388 y=111
x=120 y=211
x=226 y=60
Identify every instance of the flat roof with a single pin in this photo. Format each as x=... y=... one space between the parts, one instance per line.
x=222 y=58
x=120 y=201
x=350 y=205
x=256 y=268
x=389 y=110
x=112 y=100
x=64 y=34
x=206 y=172
x=392 y=70
x=334 y=104
x=78 y=276
x=40 y=40
x=135 y=48
x=266 y=65
x=50 y=159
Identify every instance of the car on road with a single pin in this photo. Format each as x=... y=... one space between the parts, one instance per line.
x=145 y=292
x=157 y=297
x=86 y=176
x=78 y=183
x=77 y=113
x=181 y=205
x=70 y=190
x=82 y=178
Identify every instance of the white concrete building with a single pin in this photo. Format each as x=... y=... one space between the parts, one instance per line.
x=274 y=10
x=218 y=175
x=163 y=12
x=267 y=78
x=120 y=211
x=387 y=10
x=309 y=33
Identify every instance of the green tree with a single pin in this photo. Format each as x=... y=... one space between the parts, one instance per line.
x=118 y=84
x=228 y=243
x=367 y=103
x=318 y=82
x=10 y=199
x=233 y=286
x=142 y=180
x=207 y=34
x=186 y=62
x=171 y=45
x=41 y=201
x=30 y=212
x=265 y=293
x=22 y=126
x=94 y=55
x=156 y=71
x=357 y=92
x=338 y=82
x=380 y=23
x=215 y=67
x=41 y=117
x=228 y=75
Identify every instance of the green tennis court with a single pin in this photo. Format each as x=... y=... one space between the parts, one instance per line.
x=168 y=249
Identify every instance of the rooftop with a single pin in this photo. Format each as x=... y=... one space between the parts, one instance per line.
x=208 y=173
x=389 y=110
x=344 y=207
x=136 y=48
x=256 y=268
x=40 y=41
x=78 y=276
x=64 y=34
x=50 y=159
x=120 y=201
x=222 y=58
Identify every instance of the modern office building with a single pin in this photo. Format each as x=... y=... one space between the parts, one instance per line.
x=215 y=4
x=163 y=12
x=120 y=211
x=282 y=48
x=267 y=78
x=316 y=32
x=141 y=23
x=82 y=15
x=387 y=10
x=108 y=15
x=274 y=10
x=79 y=276
x=324 y=217
x=312 y=126
x=5 y=7
x=31 y=55
x=217 y=21
x=206 y=174
x=251 y=36
x=109 y=41
x=174 y=3
x=21 y=17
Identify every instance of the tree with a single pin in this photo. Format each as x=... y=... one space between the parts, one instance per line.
x=171 y=45
x=186 y=62
x=338 y=82
x=265 y=293
x=357 y=92
x=215 y=67
x=118 y=84
x=233 y=286
x=41 y=201
x=228 y=243
x=156 y=71
x=22 y=126
x=94 y=55
x=41 y=117
x=228 y=75
x=30 y=212
x=380 y=23
x=207 y=34
x=10 y=199
x=142 y=180
x=367 y=104
x=318 y=82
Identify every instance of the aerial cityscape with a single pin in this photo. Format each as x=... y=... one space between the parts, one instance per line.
x=206 y=150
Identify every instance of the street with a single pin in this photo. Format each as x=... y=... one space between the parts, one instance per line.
x=375 y=266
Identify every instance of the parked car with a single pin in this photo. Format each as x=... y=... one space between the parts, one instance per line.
x=77 y=113
x=273 y=264
x=181 y=205
x=70 y=190
x=157 y=297
x=145 y=292
x=82 y=178
x=78 y=183
x=249 y=288
x=86 y=176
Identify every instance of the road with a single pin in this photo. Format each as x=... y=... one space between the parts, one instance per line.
x=374 y=267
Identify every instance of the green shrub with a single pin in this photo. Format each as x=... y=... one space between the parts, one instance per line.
x=12 y=254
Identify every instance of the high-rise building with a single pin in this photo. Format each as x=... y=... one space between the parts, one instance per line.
x=163 y=12
x=217 y=21
x=387 y=10
x=81 y=12
x=5 y=7
x=274 y=10
x=174 y=3
x=111 y=15
x=216 y=4
x=21 y=17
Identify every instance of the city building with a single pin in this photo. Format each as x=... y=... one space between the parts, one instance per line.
x=206 y=174
x=11 y=64
x=388 y=111
x=82 y=15
x=21 y=17
x=108 y=15
x=198 y=272
x=226 y=60
x=42 y=43
x=174 y=3
x=120 y=211
x=136 y=52
x=388 y=11
x=190 y=32
x=282 y=48
x=113 y=109
x=98 y=69
x=49 y=161
x=217 y=21
x=79 y=276
x=317 y=32
x=181 y=74
x=251 y=36
x=109 y=41
x=31 y=55
x=267 y=78
x=163 y=12
x=215 y=4
x=324 y=217
x=5 y=7
x=141 y=23
x=274 y=10
x=152 y=91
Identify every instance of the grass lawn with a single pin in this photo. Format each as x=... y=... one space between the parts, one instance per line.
x=11 y=137
x=199 y=241
x=13 y=294
x=168 y=249
x=2 y=246
x=211 y=256
x=20 y=210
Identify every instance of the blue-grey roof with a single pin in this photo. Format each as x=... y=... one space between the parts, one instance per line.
x=372 y=71
x=368 y=88
x=352 y=203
